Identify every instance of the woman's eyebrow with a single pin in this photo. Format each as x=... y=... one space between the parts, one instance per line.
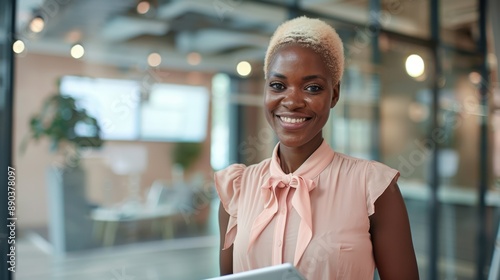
x=277 y=75
x=312 y=77
x=306 y=78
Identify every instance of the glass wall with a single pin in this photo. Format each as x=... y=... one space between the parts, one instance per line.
x=112 y=134
x=405 y=122
x=124 y=109
x=406 y=74
x=352 y=118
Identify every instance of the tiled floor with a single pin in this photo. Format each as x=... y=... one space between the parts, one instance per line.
x=183 y=259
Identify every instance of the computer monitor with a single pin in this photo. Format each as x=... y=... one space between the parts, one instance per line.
x=284 y=271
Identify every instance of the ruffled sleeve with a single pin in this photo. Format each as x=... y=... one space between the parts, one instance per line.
x=228 y=186
x=378 y=178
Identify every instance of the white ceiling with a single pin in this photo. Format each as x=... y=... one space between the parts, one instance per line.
x=222 y=31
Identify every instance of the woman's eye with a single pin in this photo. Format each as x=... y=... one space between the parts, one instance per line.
x=314 y=88
x=277 y=86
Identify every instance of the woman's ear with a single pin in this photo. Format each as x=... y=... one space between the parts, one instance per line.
x=335 y=95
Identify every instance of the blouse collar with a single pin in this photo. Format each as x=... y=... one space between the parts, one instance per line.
x=303 y=181
x=311 y=168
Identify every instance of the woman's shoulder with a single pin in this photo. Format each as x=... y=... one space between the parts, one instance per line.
x=258 y=169
x=233 y=171
x=344 y=161
x=349 y=159
x=361 y=167
x=240 y=170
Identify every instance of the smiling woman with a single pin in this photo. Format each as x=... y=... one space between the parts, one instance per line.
x=298 y=98
x=307 y=204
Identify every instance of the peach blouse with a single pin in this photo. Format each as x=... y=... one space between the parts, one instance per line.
x=315 y=218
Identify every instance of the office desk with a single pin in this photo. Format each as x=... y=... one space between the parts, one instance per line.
x=106 y=220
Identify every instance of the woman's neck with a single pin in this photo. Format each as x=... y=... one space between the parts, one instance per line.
x=291 y=158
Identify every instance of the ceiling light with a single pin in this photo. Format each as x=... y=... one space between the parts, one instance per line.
x=194 y=58
x=154 y=59
x=37 y=24
x=18 y=46
x=77 y=51
x=244 y=68
x=415 y=66
x=143 y=7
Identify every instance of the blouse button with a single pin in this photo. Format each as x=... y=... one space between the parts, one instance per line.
x=279 y=243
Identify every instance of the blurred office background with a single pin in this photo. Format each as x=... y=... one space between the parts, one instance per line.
x=156 y=95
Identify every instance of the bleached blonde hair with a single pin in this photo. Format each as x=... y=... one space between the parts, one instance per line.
x=310 y=33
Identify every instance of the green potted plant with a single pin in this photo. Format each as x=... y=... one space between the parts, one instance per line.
x=59 y=120
x=63 y=123
x=183 y=156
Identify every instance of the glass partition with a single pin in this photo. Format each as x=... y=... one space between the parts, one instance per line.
x=350 y=125
x=174 y=90
x=404 y=123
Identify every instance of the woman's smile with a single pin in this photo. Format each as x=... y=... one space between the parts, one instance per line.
x=292 y=122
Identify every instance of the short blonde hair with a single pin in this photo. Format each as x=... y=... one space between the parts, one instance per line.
x=310 y=33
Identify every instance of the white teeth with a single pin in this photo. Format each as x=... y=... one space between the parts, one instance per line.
x=290 y=120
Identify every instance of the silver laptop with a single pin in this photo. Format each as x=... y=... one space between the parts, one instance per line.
x=284 y=271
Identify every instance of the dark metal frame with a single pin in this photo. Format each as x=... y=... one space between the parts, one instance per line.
x=7 y=27
x=483 y=146
x=375 y=26
x=433 y=203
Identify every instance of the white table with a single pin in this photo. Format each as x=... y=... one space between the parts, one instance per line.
x=106 y=220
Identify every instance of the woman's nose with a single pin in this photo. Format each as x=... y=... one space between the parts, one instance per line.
x=293 y=99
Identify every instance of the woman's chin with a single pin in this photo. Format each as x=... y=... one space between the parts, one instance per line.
x=299 y=140
x=292 y=142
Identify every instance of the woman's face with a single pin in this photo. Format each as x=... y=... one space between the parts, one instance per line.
x=299 y=94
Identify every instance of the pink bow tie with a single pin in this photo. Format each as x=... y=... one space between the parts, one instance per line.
x=300 y=202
